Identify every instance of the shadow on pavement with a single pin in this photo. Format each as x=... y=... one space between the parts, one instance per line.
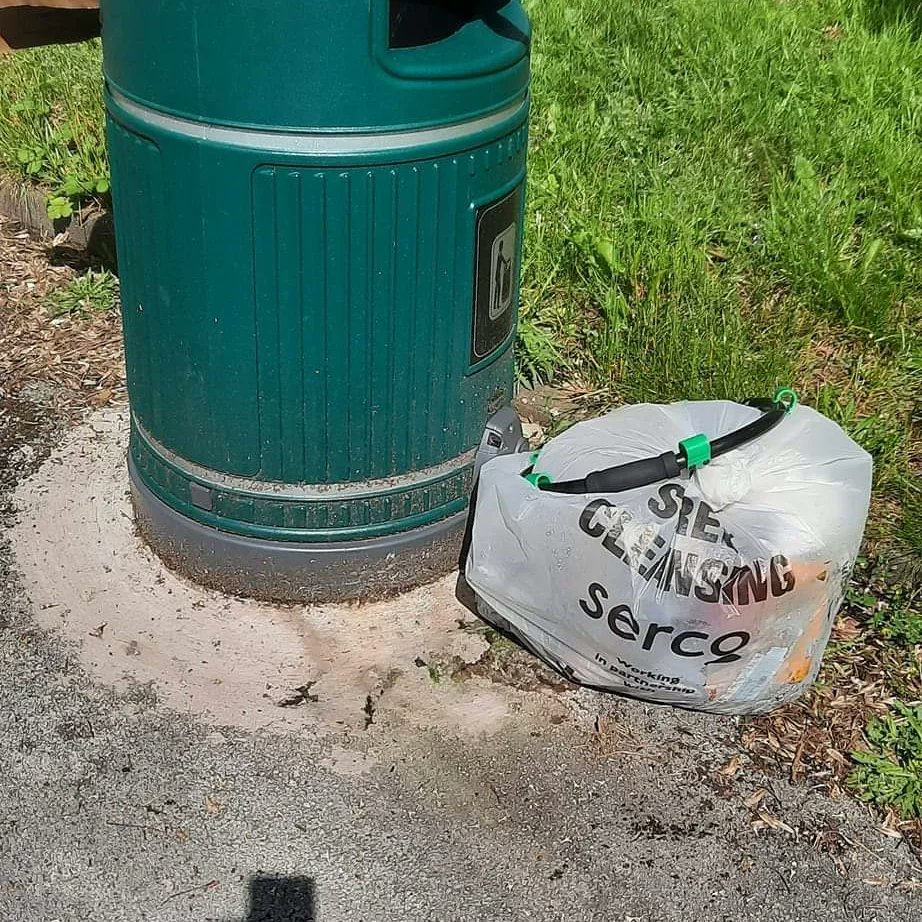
x=281 y=899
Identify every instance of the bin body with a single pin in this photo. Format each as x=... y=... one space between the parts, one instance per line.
x=319 y=228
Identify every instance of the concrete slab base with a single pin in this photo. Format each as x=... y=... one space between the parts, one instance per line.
x=236 y=661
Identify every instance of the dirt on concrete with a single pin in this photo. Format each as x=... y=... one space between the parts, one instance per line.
x=235 y=661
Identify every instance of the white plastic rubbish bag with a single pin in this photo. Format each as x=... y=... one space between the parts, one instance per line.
x=714 y=590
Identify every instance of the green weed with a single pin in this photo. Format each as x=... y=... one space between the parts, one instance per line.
x=890 y=774
x=89 y=293
x=910 y=528
x=899 y=624
x=539 y=356
x=885 y=601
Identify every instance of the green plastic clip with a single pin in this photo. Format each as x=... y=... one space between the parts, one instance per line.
x=786 y=397
x=697 y=450
x=535 y=478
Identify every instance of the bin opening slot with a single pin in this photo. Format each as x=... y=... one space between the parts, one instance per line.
x=423 y=22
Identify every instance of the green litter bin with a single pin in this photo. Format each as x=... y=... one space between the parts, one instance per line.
x=319 y=223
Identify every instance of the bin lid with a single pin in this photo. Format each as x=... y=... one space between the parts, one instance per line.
x=319 y=64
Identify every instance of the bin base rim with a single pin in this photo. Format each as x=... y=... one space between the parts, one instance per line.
x=280 y=571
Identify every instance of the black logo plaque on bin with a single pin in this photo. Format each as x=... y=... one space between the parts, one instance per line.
x=496 y=273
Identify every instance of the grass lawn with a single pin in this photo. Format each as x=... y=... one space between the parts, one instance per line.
x=725 y=197
x=52 y=126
